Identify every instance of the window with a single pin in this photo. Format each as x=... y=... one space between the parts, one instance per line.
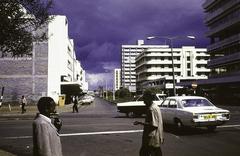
x=195 y=103
x=165 y=103
x=172 y=104
x=69 y=65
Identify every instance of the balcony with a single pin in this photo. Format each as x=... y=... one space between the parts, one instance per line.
x=162 y=62
x=202 y=70
x=223 y=43
x=224 y=60
x=207 y=3
x=201 y=61
x=221 y=10
x=223 y=26
x=160 y=70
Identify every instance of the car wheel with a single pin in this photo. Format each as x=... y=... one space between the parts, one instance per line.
x=130 y=114
x=211 y=128
x=178 y=124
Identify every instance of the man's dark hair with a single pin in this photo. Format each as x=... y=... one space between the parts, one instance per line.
x=148 y=97
x=148 y=94
x=45 y=103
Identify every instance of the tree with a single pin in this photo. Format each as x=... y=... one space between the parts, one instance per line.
x=123 y=93
x=154 y=90
x=19 y=19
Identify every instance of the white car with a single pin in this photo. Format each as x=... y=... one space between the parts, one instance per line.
x=192 y=111
x=86 y=99
x=138 y=107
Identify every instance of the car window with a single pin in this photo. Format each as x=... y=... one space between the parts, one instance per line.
x=173 y=104
x=161 y=97
x=140 y=98
x=165 y=103
x=195 y=103
x=155 y=98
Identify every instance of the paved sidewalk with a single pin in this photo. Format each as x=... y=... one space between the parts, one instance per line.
x=14 y=111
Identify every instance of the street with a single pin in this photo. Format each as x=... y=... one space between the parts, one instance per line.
x=99 y=130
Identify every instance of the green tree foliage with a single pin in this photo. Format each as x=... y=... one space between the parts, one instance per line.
x=123 y=93
x=18 y=20
x=154 y=90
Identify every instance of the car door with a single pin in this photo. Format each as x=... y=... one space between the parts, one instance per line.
x=172 y=111
x=164 y=110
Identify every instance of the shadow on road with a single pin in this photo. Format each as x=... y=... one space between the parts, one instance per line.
x=187 y=131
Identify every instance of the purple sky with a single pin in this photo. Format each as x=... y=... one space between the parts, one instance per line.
x=100 y=27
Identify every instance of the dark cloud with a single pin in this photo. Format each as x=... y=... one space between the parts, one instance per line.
x=100 y=27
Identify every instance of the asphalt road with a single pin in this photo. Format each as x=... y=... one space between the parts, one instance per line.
x=99 y=130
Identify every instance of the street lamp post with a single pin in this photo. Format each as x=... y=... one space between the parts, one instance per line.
x=106 y=90
x=171 y=47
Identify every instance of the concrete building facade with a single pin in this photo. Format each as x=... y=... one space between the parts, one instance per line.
x=128 y=74
x=223 y=21
x=154 y=66
x=52 y=65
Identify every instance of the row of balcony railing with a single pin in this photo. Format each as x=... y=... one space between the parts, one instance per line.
x=224 y=25
x=225 y=42
x=224 y=59
x=208 y=3
x=225 y=74
x=220 y=10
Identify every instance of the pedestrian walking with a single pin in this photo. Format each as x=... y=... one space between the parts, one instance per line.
x=23 y=103
x=153 y=128
x=46 y=140
x=75 y=104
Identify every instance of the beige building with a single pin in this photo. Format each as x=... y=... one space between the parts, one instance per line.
x=50 y=71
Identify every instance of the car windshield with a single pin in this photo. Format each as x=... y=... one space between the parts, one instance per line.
x=195 y=103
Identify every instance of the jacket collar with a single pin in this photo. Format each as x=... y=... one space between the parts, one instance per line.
x=45 y=118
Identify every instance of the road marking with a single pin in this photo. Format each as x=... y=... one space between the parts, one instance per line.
x=83 y=134
x=100 y=133
x=20 y=137
x=108 y=132
x=228 y=126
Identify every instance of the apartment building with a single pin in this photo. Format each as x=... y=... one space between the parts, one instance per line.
x=117 y=79
x=50 y=71
x=128 y=75
x=223 y=21
x=154 y=66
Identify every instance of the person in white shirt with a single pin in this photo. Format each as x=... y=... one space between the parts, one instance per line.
x=23 y=104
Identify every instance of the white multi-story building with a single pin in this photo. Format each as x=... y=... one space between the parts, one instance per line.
x=117 y=79
x=51 y=70
x=154 y=66
x=128 y=74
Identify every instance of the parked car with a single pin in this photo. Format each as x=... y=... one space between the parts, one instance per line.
x=86 y=99
x=192 y=111
x=137 y=107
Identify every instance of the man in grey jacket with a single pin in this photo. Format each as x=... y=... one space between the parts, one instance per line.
x=46 y=140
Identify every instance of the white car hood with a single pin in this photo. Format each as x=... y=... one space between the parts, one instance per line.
x=206 y=109
x=135 y=103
